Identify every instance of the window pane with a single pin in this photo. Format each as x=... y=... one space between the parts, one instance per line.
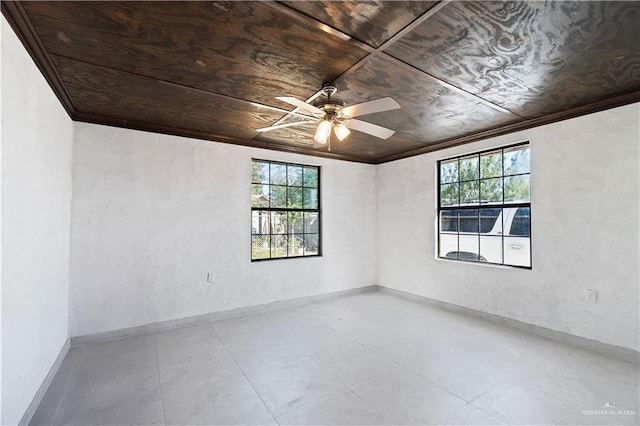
x=491 y=249
x=521 y=223
x=310 y=200
x=278 y=246
x=489 y=223
x=278 y=196
x=311 y=244
x=449 y=171
x=294 y=199
x=294 y=175
x=469 y=247
x=311 y=223
x=517 y=251
x=491 y=165
x=295 y=223
x=278 y=174
x=259 y=195
x=278 y=222
x=449 y=194
x=449 y=221
x=449 y=245
x=516 y=161
x=469 y=168
x=260 y=247
x=491 y=190
x=517 y=189
x=310 y=177
x=296 y=245
x=469 y=192
x=259 y=172
x=468 y=220
x=260 y=222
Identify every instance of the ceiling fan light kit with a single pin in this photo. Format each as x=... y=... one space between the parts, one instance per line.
x=323 y=132
x=341 y=131
x=332 y=114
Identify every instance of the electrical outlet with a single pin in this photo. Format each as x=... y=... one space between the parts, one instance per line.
x=211 y=277
x=590 y=296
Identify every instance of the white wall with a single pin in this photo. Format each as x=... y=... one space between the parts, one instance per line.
x=585 y=231
x=36 y=194
x=2 y=24
x=153 y=214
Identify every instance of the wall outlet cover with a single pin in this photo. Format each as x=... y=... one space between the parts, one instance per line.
x=590 y=296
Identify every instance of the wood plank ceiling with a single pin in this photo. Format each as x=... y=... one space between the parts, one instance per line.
x=461 y=70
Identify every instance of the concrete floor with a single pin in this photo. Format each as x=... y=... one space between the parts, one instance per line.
x=368 y=359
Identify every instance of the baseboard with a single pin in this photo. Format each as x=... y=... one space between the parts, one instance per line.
x=607 y=349
x=37 y=398
x=123 y=333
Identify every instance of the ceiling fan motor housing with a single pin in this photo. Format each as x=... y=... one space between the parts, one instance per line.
x=332 y=107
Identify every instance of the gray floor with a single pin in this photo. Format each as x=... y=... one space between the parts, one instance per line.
x=367 y=359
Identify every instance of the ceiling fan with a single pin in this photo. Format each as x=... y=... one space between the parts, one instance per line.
x=332 y=114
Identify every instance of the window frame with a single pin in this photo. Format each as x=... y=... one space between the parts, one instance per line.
x=480 y=206
x=287 y=210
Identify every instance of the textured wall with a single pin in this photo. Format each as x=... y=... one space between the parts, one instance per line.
x=36 y=194
x=153 y=214
x=585 y=231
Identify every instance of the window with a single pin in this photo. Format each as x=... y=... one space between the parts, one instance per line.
x=285 y=210
x=484 y=207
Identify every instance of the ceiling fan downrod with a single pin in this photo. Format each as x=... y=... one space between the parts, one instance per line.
x=329 y=105
x=329 y=89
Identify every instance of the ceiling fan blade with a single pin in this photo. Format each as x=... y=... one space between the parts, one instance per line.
x=300 y=104
x=282 y=126
x=370 y=128
x=284 y=111
x=377 y=105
